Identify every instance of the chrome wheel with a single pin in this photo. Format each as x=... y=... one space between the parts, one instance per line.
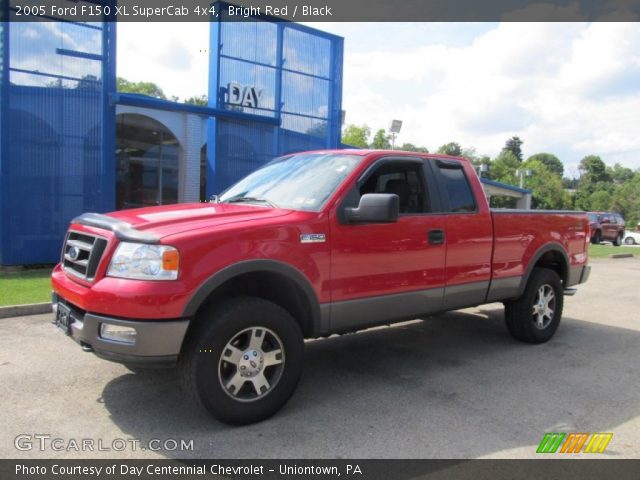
x=629 y=241
x=251 y=364
x=544 y=305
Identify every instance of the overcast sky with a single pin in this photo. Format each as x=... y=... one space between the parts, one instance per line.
x=572 y=89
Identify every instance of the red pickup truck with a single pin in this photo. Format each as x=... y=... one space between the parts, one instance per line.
x=310 y=245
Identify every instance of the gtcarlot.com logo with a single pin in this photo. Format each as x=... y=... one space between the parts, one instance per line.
x=43 y=442
x=574 y=442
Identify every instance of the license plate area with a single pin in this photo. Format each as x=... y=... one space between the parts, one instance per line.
x=63 y=318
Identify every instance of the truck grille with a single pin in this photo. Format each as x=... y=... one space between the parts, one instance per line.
x=81 y=254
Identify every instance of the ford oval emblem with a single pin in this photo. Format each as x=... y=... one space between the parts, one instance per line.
x=74 y=253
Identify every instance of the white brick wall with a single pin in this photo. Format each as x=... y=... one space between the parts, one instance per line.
x=189 y=176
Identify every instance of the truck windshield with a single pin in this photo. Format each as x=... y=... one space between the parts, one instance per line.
x=299 y=182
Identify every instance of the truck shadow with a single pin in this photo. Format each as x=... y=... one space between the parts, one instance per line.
x=453 y=386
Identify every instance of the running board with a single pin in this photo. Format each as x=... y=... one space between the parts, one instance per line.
x=570 y=292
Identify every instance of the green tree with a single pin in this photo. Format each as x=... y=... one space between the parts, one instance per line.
x=356 y=136
x=626 y=200
x=620 y=174
x=599 y=200
x=593 y=170
x=410 y=147
x=546 y=187
x=570 y=183
x=503 y=168
x=381 y=140
x=478 y=162
x=199 y=100
x=143 y=88
x=514 y=145
x=594 y=177
x=552 y=162
x=451 y=148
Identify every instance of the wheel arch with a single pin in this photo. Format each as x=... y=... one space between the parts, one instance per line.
x=269 y=279
x=551 y=256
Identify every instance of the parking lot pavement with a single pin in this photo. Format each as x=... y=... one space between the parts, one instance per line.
x=453 y=386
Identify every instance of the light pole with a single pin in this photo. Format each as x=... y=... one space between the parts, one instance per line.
x=523 y=173
x=394 y=129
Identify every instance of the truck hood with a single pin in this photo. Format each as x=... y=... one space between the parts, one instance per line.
x=172 y=219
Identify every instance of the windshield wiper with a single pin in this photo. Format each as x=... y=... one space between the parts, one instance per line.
x=251 y=199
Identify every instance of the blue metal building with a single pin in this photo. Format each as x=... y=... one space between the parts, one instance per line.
x=70 y=143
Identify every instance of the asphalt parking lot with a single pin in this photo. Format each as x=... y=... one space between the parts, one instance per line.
x=452 y=386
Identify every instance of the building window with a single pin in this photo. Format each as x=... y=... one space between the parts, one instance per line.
x=146 y=162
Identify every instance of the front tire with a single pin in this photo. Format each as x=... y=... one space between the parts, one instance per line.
x=535 y=316
x=629 y=241
x=597 y=238
x=244 y=361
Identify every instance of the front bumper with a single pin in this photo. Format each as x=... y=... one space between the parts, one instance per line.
x=155 y=343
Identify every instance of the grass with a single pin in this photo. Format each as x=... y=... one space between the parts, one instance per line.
x=30 y=286
x=602 y=251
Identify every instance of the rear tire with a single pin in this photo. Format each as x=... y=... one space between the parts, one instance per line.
x=535 y=316
x=618 y=241
x=597 y=238
x=244 y=361
x=629 y=241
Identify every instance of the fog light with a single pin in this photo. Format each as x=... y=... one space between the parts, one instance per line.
x=118 y=333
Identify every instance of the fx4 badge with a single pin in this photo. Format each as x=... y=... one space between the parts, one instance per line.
x=313 y=238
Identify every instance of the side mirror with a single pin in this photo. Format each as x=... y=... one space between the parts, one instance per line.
x=375 y=208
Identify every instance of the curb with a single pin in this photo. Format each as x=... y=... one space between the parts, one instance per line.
x=20 y=310
x=621 y=255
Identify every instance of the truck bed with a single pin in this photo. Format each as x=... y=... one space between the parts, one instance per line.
x=520 y=234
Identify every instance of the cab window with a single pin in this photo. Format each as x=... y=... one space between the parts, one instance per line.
x=404 y=179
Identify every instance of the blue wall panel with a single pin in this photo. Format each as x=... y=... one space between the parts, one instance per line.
x=57 y=127
x=58 y=161
x=4 y=36
x=294 y=72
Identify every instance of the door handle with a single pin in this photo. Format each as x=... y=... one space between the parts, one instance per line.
x=436 y=237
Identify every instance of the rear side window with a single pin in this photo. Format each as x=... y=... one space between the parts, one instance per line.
x=458 y=190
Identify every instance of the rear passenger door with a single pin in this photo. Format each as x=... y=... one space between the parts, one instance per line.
x=469 y=236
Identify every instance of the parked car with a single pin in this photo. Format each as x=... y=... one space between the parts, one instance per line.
x=311 y=244
x=631 y=238
x=606 y=226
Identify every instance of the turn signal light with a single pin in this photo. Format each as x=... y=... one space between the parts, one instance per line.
x=170 y=260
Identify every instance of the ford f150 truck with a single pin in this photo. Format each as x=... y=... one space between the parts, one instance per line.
x=311 y=244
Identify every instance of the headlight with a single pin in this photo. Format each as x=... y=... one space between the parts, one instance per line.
x=144 y=262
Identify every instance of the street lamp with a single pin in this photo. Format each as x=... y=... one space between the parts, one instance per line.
x=394 y=129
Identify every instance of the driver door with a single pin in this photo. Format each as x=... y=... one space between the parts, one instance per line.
x=385 y=271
